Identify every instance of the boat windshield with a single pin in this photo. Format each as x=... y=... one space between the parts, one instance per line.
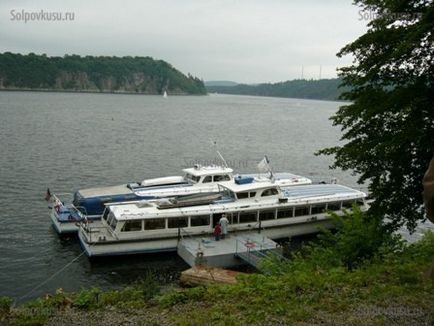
x=112 y=221
x=226 y=193
x=191 y=178
x=106 y=213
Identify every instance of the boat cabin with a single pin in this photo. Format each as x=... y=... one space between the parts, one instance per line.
x=207 y=174
x=246 y=189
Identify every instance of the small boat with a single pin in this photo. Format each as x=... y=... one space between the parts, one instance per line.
x=165 y=94
x=196 y=180
x=155 y=226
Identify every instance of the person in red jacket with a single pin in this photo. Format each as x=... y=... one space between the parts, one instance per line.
x=217 y=232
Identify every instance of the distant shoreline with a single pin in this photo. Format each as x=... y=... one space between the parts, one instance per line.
x=39 y=90
x=52 y=90
x=281 y=97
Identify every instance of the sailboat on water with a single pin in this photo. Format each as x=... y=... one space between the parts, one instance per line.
x=165 y=94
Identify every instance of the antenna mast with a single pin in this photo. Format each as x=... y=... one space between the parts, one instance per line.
x=219 y=154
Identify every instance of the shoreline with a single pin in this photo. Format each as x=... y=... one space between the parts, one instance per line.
x=49 y=90
x=389 y=288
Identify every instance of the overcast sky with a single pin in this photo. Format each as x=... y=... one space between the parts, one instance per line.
x=247 y=41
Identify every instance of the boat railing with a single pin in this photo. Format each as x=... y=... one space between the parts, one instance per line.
x=81 y=210
x=89 y=230
x=252 y=251
x=182 y=232
x=258 y=226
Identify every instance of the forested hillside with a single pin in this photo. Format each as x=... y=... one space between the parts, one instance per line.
x=324 y=89
x=99 y=74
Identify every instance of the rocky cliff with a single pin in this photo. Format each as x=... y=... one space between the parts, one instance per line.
x=95 y=74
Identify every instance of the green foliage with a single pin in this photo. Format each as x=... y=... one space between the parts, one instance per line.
x=317 y=282
x=172 y=297
x=359 y=236
x=87 y=298
x=389 y=125
x=30 y=320
x=324 y=89
x=133 y=296
x=5 y=305
x=309 y=290
x=109 y=74
x=148 y=286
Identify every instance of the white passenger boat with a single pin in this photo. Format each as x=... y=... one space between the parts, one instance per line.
x=196 y=180
x=149 y=227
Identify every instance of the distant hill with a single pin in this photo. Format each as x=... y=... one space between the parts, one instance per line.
x=220 y=83
x=324 y=89
x=95 y=74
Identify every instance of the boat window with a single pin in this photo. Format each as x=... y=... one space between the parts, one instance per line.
x=155 y=224
x=266 y=215
x=285 y=212
x=207 y=179
x=113 y=223
x=224 y=177
x=232 y=217
x=269 y=192
x=200 y=220
x=300 y=211
x=226 y=193
x=334 y=206
x=318 y=209
x=247 y=217
x=178 y=222
x=133 y=225
x=347 y=204
x=242 y=195
x=110 y=218
x=105 y=214
x=192 y=178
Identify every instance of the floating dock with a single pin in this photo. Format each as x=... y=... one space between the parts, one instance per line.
x=234 y=250
x=204 y=275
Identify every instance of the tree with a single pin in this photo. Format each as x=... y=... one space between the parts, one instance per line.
x=388 y=127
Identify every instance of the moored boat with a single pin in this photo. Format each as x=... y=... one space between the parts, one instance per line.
x=196 y=180
x=148 y=227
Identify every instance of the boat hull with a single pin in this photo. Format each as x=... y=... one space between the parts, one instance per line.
x=298 y=227
x=62 y=227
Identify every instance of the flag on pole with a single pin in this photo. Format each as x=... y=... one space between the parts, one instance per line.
x=263 y=165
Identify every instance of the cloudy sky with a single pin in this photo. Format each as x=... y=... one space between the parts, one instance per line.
x=247 y=41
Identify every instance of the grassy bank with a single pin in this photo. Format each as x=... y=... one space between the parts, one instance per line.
x=360 y=275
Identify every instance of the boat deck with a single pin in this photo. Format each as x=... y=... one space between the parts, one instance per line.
x=226 y=252
x=105 y=191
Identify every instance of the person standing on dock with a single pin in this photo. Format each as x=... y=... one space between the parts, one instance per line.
x=217 y=232
x=224 y=225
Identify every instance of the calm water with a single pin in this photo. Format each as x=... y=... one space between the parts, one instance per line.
x=71 y=141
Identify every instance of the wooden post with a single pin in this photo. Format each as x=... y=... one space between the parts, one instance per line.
x=428 y=198
x=428 y=191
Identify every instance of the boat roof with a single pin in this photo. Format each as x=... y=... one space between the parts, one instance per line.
x=253 y=186
x=200 y=170
x=317 y=190
x=105 y=191
x=298 y=195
